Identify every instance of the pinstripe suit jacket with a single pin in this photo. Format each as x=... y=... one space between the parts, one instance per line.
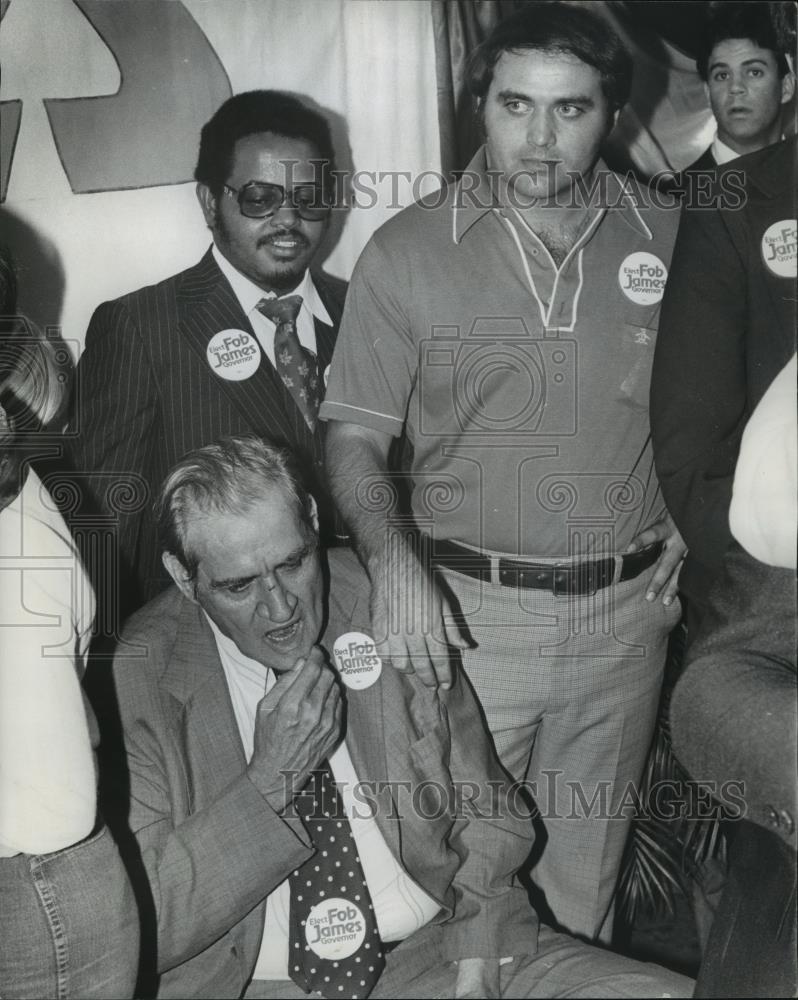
x=212 y=847
x=146 y=395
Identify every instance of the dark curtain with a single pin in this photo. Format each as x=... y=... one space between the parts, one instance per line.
x=458 y=27
x=666 y=122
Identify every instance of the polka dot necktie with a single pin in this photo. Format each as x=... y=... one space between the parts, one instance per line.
x=334 y=945
x=295 y=365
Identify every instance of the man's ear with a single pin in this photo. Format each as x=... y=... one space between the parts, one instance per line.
x=314 y=514
x=787 y=87
x=180 y=575
x=207 y=203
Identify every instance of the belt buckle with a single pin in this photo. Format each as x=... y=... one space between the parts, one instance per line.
x=573 y=577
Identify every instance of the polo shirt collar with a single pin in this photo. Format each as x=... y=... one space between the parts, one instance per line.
x=472 y=199
x=249 y=294
x=474 y=195
x=623 y=198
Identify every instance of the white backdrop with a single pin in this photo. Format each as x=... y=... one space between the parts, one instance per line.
x=369 y=63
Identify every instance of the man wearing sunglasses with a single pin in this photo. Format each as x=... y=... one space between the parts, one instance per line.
x=239 y=343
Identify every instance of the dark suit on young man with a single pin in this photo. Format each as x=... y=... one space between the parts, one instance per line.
x=727 y=328
x=146 y=395
x=706 y=161
x=695 y=181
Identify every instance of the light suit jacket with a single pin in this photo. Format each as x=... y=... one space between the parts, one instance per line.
x=212 y=847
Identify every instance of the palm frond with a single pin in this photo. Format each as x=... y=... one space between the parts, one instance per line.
x=652 y=871
x=662 y=854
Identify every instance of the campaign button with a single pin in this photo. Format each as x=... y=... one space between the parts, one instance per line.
x=233 y=355
x=642 y=277
x=335 y=928
x=356 y=660
x=779 y=245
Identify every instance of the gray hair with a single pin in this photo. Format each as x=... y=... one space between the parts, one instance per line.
x=228 y=477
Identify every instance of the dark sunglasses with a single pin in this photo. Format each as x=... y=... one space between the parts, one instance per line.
x=257 y=199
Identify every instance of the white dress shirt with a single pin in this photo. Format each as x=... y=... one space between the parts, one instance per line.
x=400 y=906
x=721 y=152
x=249 y=295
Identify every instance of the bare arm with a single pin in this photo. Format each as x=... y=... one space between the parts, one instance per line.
x=412 y=620
x=357 y=465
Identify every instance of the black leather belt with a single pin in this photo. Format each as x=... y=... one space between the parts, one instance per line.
x=562 y=579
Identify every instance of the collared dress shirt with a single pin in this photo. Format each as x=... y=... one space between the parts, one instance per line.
x=248 y=295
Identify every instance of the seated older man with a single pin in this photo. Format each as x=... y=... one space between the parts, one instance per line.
x=311 y=820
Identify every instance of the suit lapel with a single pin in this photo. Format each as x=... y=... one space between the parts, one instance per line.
x=366 y=719
x=332 y=298
x=195 y=678
x=367 y=745
x=768 y=202
x=325 y=343
x=326 y=334
x=208 y=305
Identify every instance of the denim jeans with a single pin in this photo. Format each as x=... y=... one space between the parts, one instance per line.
x=68 y=923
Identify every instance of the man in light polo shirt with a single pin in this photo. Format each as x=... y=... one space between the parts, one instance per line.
x=508 y=326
